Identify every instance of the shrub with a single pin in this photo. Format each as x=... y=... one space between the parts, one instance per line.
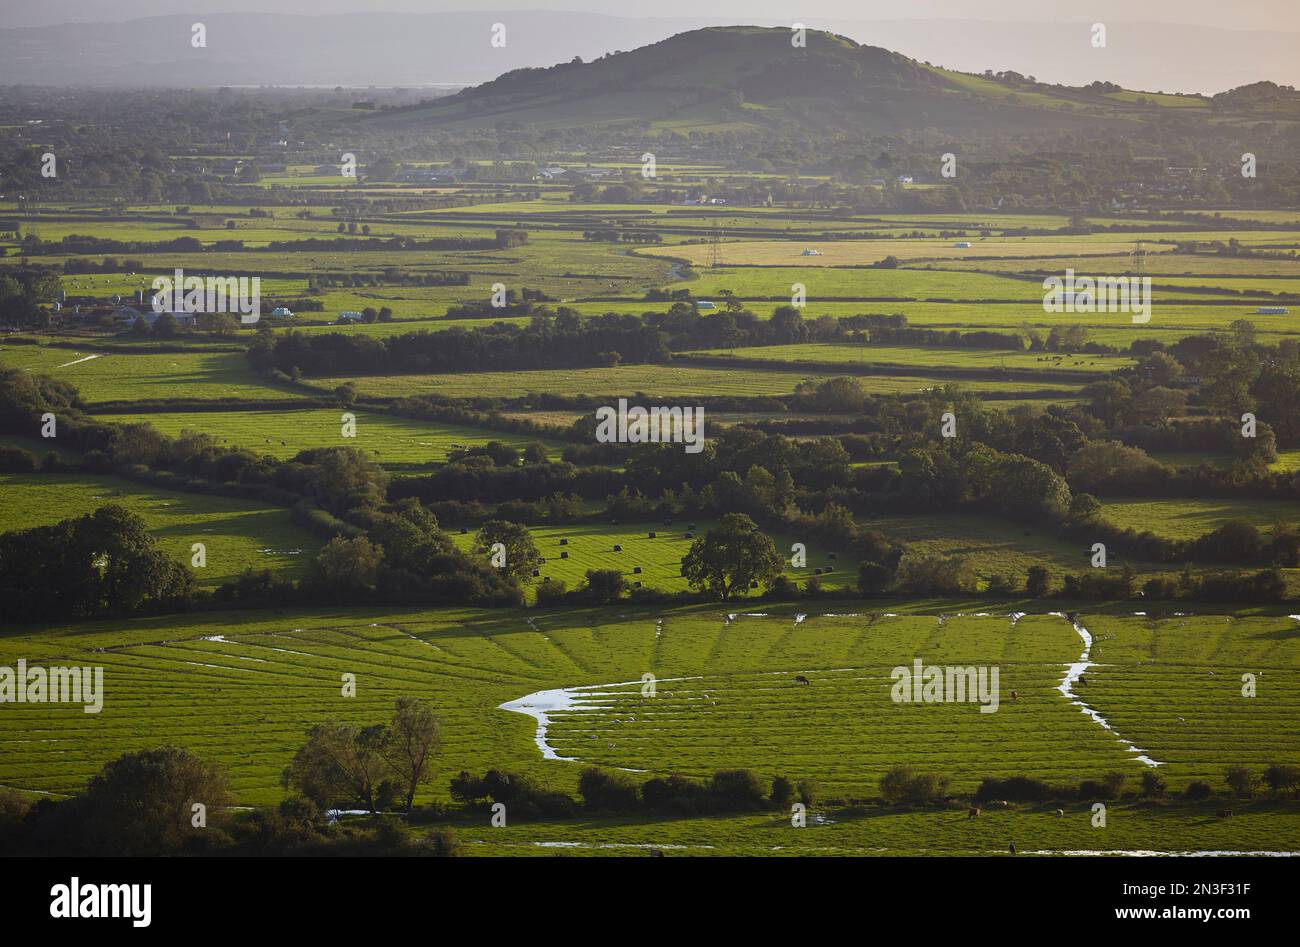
x=1280 y=777
x=443 y=842
x=605 y=791
x=1114 y=782
x=807 y=792
x=905 y=784
x=1198 y=790
x=782 y=793
x=736 y=790
x=551 y=593
x=1239 y=779
x=1153 y=784
x=1014 y=789
x=16 y=460
x=675 y=794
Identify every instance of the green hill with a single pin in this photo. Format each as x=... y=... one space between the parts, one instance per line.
x=753 y=78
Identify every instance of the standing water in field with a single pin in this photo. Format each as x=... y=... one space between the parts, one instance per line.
x=1074 y=672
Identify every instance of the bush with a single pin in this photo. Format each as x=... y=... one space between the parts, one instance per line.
x=736 y=790
x=1239 y=779
x=16 y=460
x=1014 y=789
x=1198 y=791
x=1114 y=782
x=605 y=586
x=905 y=784
x=807 y=789
x=443 y=843
x=551 y=593
x=1153 y=784
x=782 y=796
x=676 y=795
x=1281 y=778
x=605 y=791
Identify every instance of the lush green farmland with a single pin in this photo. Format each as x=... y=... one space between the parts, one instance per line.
x=1131 y=828
x=114 y=377
x=860 y=252
x=241 y=688
x=992 y=360
x=1189 y=518
x=390 y=440
x=655 y=380
x=993 y=545
x=238 y=534
x=591 y=546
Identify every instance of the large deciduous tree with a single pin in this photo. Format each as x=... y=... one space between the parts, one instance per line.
x=730 y=556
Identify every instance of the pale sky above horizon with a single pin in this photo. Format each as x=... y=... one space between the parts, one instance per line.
x=1272 y=15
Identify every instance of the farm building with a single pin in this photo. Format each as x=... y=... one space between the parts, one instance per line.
x=127 y=316
x=282 y=312
x=349 y=317
x=811 y=252
x=1272 y=311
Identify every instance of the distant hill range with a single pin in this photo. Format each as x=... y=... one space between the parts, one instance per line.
x=398 y=49
x=741 y=79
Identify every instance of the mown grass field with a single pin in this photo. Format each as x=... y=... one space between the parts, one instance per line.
x=238 y=534
x=992 y=360
x=655 y=380
x=591 y=546
x=138 y=377
x=242 y=688
x=390 y=440
x=861 y=252
x=1189 y=518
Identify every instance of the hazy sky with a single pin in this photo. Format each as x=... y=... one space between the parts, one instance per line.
x=1225 y=14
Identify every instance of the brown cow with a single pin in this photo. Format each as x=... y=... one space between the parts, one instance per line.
x=800 y=679
x=1015 y=696
x=973 y=812
x=1223 y=813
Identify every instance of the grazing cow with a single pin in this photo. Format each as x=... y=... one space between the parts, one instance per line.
x=973 y=812
x=1015 y=696
x=656 y=853
x=1012 y=848
x=1223 y=813
x=1083 y=681
x=800 y=679
x=1058 y=812
x=999 y=804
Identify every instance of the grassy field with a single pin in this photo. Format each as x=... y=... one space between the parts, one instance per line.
x=116 y=377
x=242 y=689
x=848 y=354
x=591 y=546
x=1188 y=518
x=238 y=534
x=656 y=380
x=391 y=440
